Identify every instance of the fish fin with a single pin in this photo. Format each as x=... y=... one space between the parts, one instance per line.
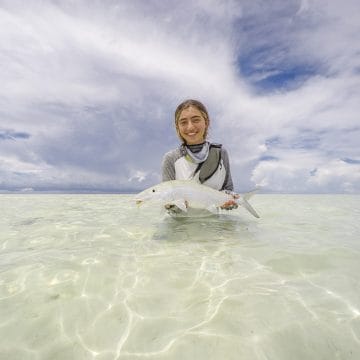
x=181 y=204
x=249 y=208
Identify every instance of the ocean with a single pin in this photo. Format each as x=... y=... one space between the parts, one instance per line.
x=96 y=277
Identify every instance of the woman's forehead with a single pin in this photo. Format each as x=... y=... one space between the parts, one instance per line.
x=190 y=112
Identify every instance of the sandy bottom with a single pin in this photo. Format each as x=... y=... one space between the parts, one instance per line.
x=94 y=277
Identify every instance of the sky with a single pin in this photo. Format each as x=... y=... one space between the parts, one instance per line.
x=89 y=89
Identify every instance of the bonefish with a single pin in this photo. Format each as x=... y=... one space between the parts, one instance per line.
x=187 y=194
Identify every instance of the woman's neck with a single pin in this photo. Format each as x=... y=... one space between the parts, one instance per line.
x=195 y=148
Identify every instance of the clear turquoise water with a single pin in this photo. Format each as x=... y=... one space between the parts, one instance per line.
x=95 y=277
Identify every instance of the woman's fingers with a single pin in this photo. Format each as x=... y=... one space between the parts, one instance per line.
x=229 y=205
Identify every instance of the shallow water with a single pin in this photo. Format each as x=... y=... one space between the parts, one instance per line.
x=94 y=277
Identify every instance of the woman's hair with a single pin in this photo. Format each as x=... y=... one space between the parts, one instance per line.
x=196 y=104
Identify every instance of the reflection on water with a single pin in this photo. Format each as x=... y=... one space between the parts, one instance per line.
x=211 y=228
x=93 y=277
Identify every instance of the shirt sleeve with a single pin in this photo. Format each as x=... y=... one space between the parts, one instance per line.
x=228 y=183
x=168 y=167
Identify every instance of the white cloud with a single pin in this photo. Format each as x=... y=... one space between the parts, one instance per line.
x=307 y=172
x=95 y=84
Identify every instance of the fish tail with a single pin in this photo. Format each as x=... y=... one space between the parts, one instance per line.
x=244 y=202
x=249 y=208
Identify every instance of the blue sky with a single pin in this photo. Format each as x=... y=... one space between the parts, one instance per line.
x=89 y=88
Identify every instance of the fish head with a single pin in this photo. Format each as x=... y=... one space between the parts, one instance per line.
x=157 y=193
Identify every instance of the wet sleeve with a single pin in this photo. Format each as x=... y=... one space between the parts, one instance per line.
x=228 y=183
x=168 y=167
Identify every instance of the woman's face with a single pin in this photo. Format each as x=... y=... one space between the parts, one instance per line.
x=192 y=126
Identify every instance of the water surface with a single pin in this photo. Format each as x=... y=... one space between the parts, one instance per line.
x=95 y=277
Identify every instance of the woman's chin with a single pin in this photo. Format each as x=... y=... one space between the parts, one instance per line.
x=193 y=140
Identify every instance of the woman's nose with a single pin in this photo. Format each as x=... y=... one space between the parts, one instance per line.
x=190 y=125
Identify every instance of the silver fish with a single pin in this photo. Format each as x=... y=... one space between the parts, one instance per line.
x=189 y=194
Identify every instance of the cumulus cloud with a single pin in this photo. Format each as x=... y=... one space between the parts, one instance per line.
x=89 y=89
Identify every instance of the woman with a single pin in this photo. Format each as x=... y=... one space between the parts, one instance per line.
x=197 y=158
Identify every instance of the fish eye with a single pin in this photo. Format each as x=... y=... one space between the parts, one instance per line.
x=153 y=190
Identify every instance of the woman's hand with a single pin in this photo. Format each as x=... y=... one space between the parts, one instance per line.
x=231 y=204
x=173 y=209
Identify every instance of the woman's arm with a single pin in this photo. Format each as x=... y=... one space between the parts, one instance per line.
x=168 y=167
x=228 y=186
x=228 y=183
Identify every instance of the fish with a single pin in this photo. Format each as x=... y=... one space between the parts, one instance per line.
x=189 y=194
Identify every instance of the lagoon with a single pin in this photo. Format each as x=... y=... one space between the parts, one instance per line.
x=95 y=277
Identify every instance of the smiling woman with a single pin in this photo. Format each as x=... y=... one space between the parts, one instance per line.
x=197 y=158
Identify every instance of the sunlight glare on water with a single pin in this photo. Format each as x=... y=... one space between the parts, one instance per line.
x=95 y=277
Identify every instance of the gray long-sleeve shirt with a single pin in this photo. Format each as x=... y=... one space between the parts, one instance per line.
x=176 y=165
